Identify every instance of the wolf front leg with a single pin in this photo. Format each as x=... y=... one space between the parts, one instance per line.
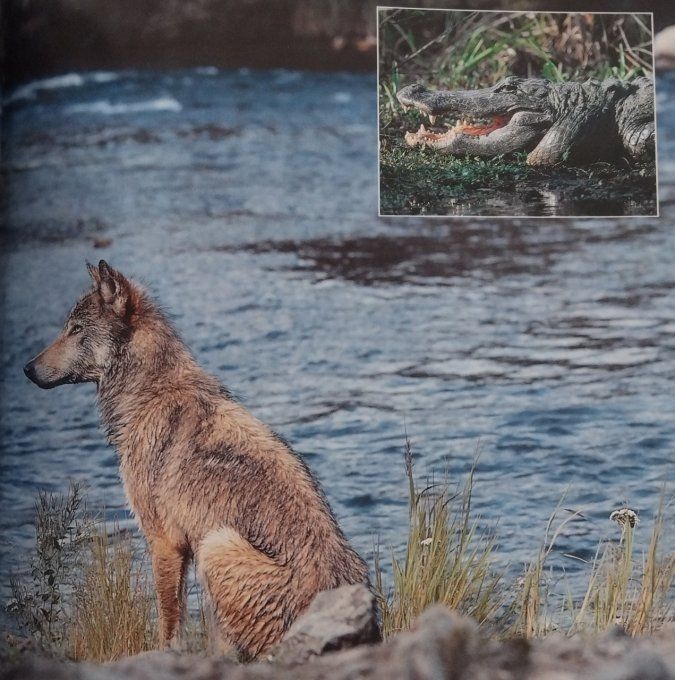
x=169 y=565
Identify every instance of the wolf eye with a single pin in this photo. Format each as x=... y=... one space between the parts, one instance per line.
x=75 y=329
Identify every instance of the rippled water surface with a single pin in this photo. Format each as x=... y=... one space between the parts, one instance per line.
x=247 y=202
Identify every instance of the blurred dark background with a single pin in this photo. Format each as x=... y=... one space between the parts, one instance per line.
x=43 y=38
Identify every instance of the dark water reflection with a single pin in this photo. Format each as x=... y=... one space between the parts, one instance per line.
x=247 y=202
x=436 y=255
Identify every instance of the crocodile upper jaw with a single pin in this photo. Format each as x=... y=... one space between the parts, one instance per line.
x=475 y=113
x=507 y=96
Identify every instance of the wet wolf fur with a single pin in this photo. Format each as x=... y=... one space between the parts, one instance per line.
x=204 y=477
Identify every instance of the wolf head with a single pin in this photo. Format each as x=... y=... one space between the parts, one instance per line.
x=96 y=328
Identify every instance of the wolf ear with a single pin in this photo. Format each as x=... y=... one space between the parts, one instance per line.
x=113 y=288
x=93 y=272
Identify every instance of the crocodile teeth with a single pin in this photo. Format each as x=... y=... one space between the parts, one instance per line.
x=422 y=128
x=405 y=108
x=432 y=119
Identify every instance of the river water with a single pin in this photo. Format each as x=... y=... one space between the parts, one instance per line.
x=247 y=202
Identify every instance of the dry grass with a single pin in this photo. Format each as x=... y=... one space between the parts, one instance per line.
x=530 y=607
x=621 y=591
x=197 y=636
x=447 y=559
x=113 y=613
x=88 y=596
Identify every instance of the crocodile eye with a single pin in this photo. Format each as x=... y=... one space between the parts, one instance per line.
x=507 y=87
x=75 y=329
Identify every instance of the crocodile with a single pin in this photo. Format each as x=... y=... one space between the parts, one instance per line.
x=574 y=122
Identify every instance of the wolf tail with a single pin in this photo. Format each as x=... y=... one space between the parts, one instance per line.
x=253 y=597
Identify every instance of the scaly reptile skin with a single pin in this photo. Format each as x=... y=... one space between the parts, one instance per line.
x=574 y=123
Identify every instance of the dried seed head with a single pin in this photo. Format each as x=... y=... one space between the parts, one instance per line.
x=625 y=516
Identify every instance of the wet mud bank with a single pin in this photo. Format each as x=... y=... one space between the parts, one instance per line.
x=420 y=184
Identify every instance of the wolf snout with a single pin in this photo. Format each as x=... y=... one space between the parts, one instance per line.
x=29 y=371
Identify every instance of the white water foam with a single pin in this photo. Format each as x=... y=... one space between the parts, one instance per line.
x=107 y=108
x=102 y=76
x=30 y=90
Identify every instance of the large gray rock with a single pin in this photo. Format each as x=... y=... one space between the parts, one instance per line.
x=336 y=619
x=641 y=665
x=441 y=646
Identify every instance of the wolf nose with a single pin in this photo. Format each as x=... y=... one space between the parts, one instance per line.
x=29 y=371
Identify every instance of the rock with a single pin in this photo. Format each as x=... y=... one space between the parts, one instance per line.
x=439 y=646
x=174 y=666
x=664 y=49
x=442 y=645
x=641 y=665
x=336 y=619
x=146 y=666
x=35 y=667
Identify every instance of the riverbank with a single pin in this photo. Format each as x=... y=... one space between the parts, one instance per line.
x=333 y=643
x=87 y=595
x=425 y=182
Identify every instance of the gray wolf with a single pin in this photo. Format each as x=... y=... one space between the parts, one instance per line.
x=205 y=478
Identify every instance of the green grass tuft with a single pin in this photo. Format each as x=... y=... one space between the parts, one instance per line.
x=447 y=559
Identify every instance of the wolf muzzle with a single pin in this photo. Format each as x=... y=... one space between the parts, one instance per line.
x=30 y=371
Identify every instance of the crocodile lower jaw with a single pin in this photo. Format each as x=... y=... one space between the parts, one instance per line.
x=465 y=127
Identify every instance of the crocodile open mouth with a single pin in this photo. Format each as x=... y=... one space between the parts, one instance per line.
x=466 y=126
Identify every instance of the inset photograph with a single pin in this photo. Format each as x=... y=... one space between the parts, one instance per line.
x=520 y=114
